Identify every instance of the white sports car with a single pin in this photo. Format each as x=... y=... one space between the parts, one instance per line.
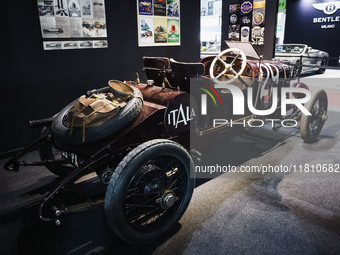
x=302 y=54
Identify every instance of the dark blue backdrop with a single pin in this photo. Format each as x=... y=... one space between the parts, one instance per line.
x=37 y=84
x=301 y=29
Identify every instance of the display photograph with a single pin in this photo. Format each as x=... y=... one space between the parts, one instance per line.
x=160 y=30
x=146 y=34
x=171 y=127
x=72 y=19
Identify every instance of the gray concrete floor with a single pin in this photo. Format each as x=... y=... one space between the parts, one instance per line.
x=286 y=214
x=289 y=214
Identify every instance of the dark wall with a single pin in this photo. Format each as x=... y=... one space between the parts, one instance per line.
x=267 y=50
x=37 y=83
x=301 y=29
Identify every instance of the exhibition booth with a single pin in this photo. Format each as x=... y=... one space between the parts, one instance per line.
x=170 y=127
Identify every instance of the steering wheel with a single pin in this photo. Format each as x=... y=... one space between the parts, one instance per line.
x=227 y=66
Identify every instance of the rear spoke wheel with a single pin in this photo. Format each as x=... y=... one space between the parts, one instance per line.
x=311 y=125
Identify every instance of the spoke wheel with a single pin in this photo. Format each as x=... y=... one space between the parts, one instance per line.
x=311 y=125
x=218 y=74
x=324 y=62
x=297 y=69
x=149 y=191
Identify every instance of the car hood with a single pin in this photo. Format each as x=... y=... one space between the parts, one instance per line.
x=287 y=55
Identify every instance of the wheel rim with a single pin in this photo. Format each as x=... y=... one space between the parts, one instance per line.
x=155 y=193
x=318 y=117
x=323 y=63
x=297 y=70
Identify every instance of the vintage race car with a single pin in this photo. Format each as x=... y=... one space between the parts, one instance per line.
x=312 y=60
x=135 y=136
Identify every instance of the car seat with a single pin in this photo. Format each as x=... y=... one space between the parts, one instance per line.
x=157 y=69
x=182 y=72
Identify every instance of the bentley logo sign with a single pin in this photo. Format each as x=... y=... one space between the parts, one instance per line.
x=328 y=8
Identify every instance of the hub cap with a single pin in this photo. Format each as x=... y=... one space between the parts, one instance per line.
x=167 y=200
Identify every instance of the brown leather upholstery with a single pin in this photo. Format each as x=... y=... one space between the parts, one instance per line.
x=156 y=69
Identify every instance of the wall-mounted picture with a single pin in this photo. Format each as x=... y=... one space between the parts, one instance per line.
x=85 y=44
x=160 y=30
x=145 y=7
x=159 y=7
x=45 y=8
x=158 y=22
x=258 y=18
x=86 y=8
x=76 y=27
x=88 y=27
x=94 y=28
x=245 y=32
x=233 y=19
x=100 y=44
x=246 y=7
x=49 y=27
x=51 y=45
x=60 y=8
x=63 y=24
x=245 y=21
x=69 y=45
x=74 y=8
x=257 y=35
x=99 y=28
x=172 y=8
x=173 y=30
x=98 y=9
x=234 y=32
x=146 y=33
x=67 y=19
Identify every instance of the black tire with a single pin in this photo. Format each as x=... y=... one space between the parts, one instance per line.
x=311 y=125
x=135 y=204
x=324 y=62
x=61 y=132
x=47 y=151
x=297 y=70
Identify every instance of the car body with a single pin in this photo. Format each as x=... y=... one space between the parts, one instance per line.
x=53 y=30
x=53 y=45
x=70 y=44
x=100 y=44
x=146 y=34
x=86 y=44
x=146 y=162
x=301 y=54
x=87 y=25
x=99 y=25
x=213 y=50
